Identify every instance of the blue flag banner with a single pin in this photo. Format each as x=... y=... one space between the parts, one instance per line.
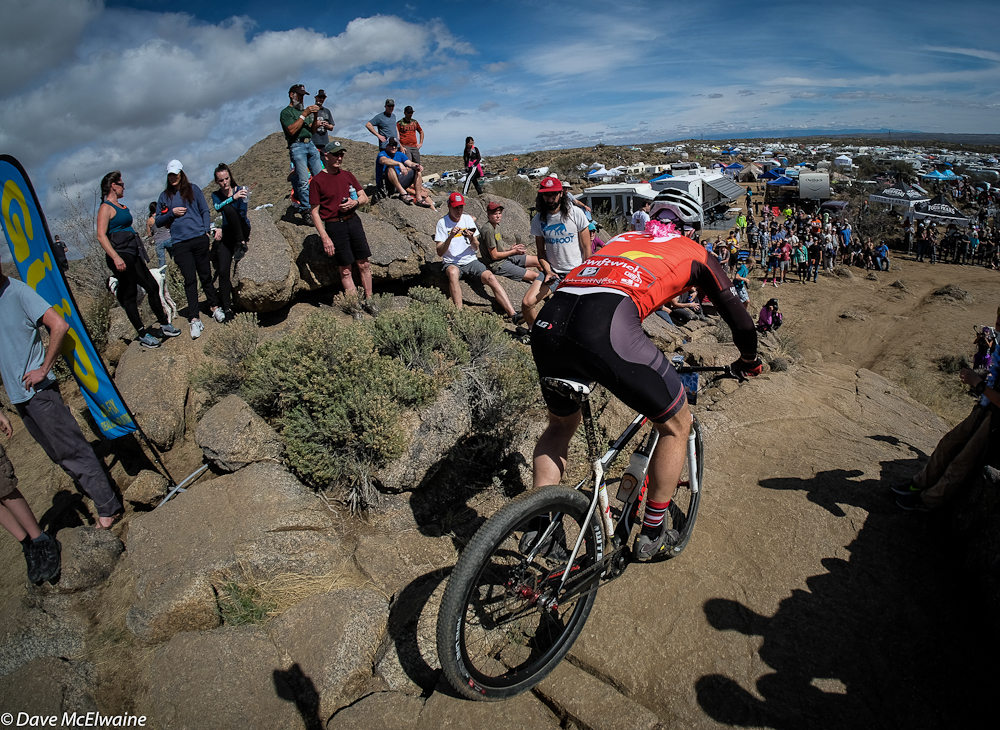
x=28 y=236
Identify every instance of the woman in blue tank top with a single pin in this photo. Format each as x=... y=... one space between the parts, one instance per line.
x=124 y=254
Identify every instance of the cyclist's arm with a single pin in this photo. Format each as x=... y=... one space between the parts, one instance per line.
x=712 y=280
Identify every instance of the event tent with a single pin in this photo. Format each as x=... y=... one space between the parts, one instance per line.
x=939 y=210
x=899 y=193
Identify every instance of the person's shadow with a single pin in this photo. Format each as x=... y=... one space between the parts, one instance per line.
x=885 y=638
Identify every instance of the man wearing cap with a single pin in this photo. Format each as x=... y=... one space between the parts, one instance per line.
x=503 y=257
x=324 y=122
x=336 y=194
x=562 y=234
x=402 y=173
x=383 y=126
x=457 y=240
x=409 y=128
x=299 y=124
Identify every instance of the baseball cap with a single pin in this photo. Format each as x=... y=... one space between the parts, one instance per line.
x=390 y=102
x=298 y=89
x=493 y=206
x=456 y=199
x=320 y=94
x=392 y=141
x=550 y=185
x=174 y=166
x=335 y=147
x=408 y=109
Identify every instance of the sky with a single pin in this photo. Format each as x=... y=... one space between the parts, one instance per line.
x=90 y=86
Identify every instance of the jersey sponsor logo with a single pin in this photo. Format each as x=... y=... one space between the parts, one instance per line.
x=589 y=271
x=544 y=325
x=634 y=255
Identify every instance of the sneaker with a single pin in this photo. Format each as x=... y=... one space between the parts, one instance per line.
x=196 y=329
x=648 y=545
x=169 y=330
x=912 y=503
x=49 y=561
x=518 y=318
x=148 y=341
x=219 y=315
x=554 y=548
x=905 y=488
x=33 y=559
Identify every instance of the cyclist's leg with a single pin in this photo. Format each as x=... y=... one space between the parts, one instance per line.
x=552 y=449
x=668 y=458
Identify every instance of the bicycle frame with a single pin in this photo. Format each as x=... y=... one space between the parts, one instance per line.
x=621 y=528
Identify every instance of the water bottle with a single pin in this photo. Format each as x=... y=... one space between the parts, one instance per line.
x=635 y=474
x=354 y=193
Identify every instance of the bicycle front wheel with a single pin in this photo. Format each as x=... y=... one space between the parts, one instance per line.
x=504 y=622
x=683 y=508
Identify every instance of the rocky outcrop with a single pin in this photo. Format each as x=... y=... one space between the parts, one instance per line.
x=260 y=521
x=266 y=276
x=352 y=623
x=147 y=490
x=50 y=686
x=229 y=679
x=88 y=557
x=232 y=436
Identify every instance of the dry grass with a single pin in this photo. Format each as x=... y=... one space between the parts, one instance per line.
x=937 y=389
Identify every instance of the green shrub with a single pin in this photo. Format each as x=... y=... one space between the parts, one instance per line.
x=241 y=605
x=230 y=346
x=427 y=295
x=516 y=189
x=419 y=337
x=336 y=401
x=98 y=318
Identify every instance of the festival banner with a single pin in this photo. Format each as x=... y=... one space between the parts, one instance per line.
x=29 y=239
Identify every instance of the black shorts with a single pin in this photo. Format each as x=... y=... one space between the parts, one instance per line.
x=349 y=241
x=599 y=337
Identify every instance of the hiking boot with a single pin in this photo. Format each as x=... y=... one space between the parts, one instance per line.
x=912 y=503
x=33 y=559
x=49 y=561
x=648 y=545
x=148 y=341
x=196 y=329
x=169 y=330
x=905 y=488
x=553 y=548
x=517 y=319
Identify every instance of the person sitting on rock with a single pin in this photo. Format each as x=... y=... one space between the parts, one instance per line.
x=505 y=258
x=770 y=318
x=41 y=552
x=400 y=173
x=686 y=306
x=963 y=451
x=457 y=241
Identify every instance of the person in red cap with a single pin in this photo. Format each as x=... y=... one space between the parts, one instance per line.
x=562 y=234
x=457 y=240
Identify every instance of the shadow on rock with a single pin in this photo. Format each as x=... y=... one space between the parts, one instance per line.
x=886 y=638
x=293 y=685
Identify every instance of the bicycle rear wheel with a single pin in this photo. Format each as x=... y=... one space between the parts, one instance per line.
x=683 y=509
x=503 y=624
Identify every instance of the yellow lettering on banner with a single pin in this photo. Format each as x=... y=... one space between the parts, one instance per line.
x=13 y=224
x=110 y=408
x=82 y=367
x=36 y=272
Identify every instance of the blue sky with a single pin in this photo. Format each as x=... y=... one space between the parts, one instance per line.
x=90 y=86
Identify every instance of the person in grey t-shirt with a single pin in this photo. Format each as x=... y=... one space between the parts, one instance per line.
x=320 y=137
x=383 y=125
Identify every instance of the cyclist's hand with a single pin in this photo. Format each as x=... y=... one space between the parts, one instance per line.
x=747 y=369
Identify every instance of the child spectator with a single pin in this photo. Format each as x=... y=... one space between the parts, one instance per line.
x=770 y=318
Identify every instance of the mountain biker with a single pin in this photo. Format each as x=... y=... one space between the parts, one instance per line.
x=592 y=330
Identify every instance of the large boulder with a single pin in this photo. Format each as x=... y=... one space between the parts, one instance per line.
x=379 y=711
x=232 y=436
x=154 y=383
x=352 y=622
x=432 y=433
x=88 y=557
x=260 y=521
x=229 y=678
x=266 y=276
x=49 y=686
x=147 y=490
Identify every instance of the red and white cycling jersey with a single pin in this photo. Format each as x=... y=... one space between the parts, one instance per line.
x=650 y=269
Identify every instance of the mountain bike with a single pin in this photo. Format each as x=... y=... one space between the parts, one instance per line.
x=524 y=586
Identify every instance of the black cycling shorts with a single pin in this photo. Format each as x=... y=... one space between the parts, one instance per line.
x=599 y=337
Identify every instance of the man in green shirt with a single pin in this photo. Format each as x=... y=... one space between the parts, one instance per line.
x=298 y=122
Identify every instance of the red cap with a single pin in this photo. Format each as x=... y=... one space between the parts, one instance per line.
x=493 y=206
x=456 y=199
x=550 y=185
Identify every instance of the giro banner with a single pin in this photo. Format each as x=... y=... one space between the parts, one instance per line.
x=29 y=239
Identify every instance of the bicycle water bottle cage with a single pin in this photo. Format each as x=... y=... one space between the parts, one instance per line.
x=571 y=388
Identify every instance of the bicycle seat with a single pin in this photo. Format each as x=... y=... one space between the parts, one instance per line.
x=568 y=386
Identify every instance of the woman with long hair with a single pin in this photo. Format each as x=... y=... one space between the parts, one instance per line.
x=473 y=160
x=122 y=247
x=230 y=200
x=182 y=208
